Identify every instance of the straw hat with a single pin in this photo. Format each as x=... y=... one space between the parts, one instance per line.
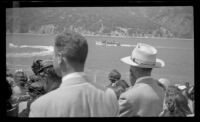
x=144 y=56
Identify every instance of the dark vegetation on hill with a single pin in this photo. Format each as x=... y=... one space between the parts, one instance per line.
x=121 y=21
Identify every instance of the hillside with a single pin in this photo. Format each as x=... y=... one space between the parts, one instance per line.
x=115 y=21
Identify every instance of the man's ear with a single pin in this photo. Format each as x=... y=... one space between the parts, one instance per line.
x=59 y=58
x=63 y=59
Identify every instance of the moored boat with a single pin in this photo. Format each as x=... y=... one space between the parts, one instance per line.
x=110 y=43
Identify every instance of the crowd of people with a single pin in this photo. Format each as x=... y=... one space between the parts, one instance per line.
x=60 y=87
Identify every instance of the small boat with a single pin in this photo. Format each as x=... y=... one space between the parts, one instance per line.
x=99 y=43
x=180 y=86
x=110 y=43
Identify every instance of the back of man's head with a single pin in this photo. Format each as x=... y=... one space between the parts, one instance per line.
x=72 y=46
x=140 y=71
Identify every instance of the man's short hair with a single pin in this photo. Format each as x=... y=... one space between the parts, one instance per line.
x=72 y=45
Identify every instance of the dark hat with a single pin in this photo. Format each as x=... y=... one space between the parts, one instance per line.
x=114 y=75
x=36 y=65
x=45 y=64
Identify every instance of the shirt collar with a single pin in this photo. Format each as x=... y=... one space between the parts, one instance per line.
x=65 y=79
x=71 y=75
x=141 y=79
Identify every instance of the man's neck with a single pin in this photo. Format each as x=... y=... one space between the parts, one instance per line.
x=71 y=71
x=144 y=75
x=71 y=68
x=136 y=78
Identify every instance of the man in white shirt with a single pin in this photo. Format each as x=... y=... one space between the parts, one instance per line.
x=77 y=96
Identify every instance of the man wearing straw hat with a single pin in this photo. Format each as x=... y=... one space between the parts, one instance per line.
x=145 y=96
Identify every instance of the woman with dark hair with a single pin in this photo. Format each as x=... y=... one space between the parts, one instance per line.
x=36 y=66
x=175 y=103
x=49 y=76
x=113 y=76
x=117 y=84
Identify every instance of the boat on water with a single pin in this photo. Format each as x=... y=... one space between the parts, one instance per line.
x=108 y=43
x=180 y=86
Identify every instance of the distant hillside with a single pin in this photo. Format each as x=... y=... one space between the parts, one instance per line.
x=120 y=21
x=178 y=20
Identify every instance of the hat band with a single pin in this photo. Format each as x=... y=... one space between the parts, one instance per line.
x=140 y=62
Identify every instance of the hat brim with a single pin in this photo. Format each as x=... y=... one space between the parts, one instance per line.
x=159 y=63
x=41 y=69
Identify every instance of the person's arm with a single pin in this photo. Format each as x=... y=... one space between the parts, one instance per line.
x=128 y=105
x=124 y=107
x=112 y=102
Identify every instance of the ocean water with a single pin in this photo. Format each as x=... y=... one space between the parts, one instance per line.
x=178 y=54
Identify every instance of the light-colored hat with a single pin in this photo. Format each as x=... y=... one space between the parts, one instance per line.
x=144 y=55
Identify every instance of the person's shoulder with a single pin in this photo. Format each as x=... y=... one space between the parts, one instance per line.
x=133 y=91
x=95 y=86
x=44 y=99
x=101 y=90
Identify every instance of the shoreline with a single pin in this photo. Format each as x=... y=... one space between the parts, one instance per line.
x=101 y=36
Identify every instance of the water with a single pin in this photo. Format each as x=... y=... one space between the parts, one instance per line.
x=178 y=55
